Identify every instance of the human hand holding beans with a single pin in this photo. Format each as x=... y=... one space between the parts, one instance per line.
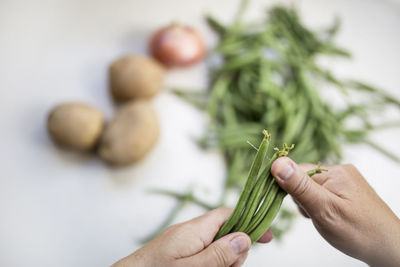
x=343 y=207
x=190 y=244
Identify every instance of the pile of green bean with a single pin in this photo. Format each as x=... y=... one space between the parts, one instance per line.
x=269 y=77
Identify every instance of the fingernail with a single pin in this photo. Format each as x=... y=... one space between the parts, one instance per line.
x=285 y=171
x=239 y=244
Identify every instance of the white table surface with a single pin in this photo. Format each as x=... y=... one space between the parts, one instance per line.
x=59 y=208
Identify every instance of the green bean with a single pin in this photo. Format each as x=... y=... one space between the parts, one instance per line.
x=216 y=25
x=249 y=201
x=385 y=152
x=265 y=205
x=270 y=216
x=252 y=204
x=368 y=88
x=218 y=92
x=240 y=62
x=251 y=180
x=276 y=198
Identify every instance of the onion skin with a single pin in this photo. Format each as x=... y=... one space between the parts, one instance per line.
x=177 y=46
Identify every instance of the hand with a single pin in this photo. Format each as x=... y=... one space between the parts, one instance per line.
x=191 y=244
x=345 y=210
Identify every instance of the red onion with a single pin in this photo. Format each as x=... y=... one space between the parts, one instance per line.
x=177 y=46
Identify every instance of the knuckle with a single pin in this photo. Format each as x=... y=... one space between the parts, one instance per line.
x=341 y=173
x=173 y=229
x=348 y=168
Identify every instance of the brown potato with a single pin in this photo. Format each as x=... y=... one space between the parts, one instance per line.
x=134 y=77
x=131 y=134
x=75 y=125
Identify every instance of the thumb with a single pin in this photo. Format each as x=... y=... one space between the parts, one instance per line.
x=298 y=184
x=223 y=252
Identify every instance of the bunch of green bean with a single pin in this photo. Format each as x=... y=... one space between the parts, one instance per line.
x=261 y=197
x=269 y=77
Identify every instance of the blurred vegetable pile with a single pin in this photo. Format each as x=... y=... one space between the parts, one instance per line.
x=133 y=81
x=269 y=77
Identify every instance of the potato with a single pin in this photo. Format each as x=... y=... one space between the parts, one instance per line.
x=131 y=134
x=75 y=125
x=133 y=77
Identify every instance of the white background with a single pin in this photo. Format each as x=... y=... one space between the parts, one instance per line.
x=59 y=208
